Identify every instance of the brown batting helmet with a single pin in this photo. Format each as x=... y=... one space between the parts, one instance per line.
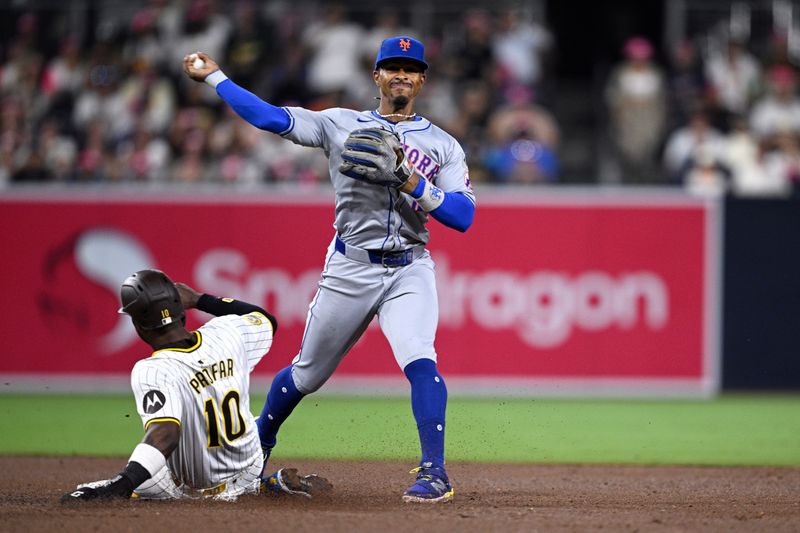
x=151 y=300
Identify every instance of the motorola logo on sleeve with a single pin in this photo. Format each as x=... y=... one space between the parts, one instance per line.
x=153 y=401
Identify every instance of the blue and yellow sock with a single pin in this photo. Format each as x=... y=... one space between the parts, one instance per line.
x=282 y=398
x=428 y=403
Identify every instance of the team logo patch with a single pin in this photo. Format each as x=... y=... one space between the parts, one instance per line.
x=253 y=319
x=405 y=44
x=153 y=401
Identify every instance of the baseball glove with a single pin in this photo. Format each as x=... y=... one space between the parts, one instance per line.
x=375 y=155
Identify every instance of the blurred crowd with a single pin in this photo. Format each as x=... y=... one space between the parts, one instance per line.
x=113 y=105
x=715 y=119
x=98 y=95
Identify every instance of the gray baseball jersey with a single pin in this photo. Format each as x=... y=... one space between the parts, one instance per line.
x=206 y=390
x=353 y=290
x=381 y=218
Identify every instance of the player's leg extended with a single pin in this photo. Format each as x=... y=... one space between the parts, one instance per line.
x=282 y=398
x=340 y=312
x=408 y=317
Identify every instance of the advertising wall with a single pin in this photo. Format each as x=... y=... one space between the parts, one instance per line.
x=543 y=295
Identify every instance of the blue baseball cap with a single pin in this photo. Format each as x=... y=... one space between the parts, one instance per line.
x=401 y=48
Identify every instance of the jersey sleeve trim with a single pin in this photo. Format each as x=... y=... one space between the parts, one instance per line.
x=184 y=350
x=162 y=419
x=291 y=122
x=266 y=318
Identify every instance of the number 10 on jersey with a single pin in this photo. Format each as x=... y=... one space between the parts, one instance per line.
x=232 y=419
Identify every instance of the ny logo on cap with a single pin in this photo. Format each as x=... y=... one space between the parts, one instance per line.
x=405 y=44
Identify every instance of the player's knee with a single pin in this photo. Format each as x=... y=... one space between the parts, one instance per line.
x=306 y=384
x=306 y=390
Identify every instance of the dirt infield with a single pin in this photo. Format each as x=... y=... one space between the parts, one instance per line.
x=366 y=497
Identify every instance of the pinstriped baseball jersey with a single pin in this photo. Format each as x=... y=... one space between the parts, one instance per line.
x=381 y=218
x=205 y=389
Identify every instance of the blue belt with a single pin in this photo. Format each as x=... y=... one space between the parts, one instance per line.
x=377 y=257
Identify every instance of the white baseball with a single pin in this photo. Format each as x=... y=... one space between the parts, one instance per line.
x=197 y=63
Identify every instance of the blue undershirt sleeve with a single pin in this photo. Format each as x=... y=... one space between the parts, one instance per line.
x=253 y=109
x=457 y=211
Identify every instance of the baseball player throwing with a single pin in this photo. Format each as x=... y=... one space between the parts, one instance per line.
x=390 y=169
x=193 y=396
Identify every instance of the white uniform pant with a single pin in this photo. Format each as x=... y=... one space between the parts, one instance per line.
x=162 y=486
x=350 y=294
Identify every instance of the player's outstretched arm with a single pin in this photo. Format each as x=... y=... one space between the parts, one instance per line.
x=212 y=305
x=247 y=105
x=147 y=459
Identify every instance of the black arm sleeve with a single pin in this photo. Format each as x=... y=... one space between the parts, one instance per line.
x=123 y=484
x=221 y=307
x=133 y=476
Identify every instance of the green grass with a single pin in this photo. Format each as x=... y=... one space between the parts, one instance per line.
x=731 y=430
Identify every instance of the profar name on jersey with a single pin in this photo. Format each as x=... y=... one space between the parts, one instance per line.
x=211 y=373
